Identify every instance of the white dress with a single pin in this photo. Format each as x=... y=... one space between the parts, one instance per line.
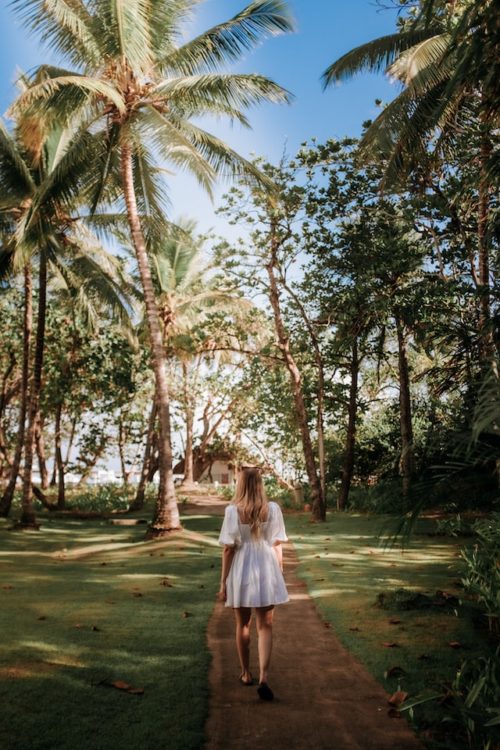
x=255 y=578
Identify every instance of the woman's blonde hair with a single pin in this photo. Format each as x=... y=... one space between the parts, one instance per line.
x=250 y=497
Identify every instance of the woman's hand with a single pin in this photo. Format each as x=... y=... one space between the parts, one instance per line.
x=221 y=594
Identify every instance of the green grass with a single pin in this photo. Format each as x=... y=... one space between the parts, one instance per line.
x=81 y=605
x=345 y=568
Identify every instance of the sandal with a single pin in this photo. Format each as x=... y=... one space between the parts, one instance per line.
x=246 y=683
x=265 y=692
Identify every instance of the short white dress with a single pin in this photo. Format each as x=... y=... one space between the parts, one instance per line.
x=255 y=578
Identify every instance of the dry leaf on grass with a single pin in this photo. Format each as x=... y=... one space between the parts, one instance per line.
x=394 y=621
x=455 y=644
x=124 y=686
x=397 y=698
x=187 y=614
x=355 y=628
x=390 y=644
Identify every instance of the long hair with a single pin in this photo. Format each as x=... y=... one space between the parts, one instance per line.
x=250 y=497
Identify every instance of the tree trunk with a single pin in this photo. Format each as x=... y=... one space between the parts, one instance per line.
x=486 y=334
x=188 y=481
x=166 y=515
x=61 y=489
x=6 y=501
x=28 y=518
x=121 y=451
x=407 y=461
x=350 y=442
x=40 y=451
x=139 y=499
x=318 y=500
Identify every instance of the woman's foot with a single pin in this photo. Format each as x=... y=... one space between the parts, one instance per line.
x=246 y=679
x=265 y=692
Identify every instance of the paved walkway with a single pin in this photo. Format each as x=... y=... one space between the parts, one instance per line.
x=325 y=699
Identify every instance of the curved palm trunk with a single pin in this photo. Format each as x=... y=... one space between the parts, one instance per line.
x=317 y=497
x=28 y=518
x=166 y=516
x=350 y=443
x=407 y=460
x=6 y=501
x=139 y=499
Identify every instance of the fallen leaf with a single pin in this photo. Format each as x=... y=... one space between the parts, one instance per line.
x=166 y=582
x=121 y=685
x=137 y=593
x=78 y=626
x=395 y=671
x=187 y=614
x=319 y=579
x=8 y=587
x=423 y=657
x=42 y=617
x=354 y=628
x=327 y=625
x=455 y=644
x=397 y=698
x=394 y=621
x=317 y=556
x=96 y=629
x=103 y=563
x=390 y=644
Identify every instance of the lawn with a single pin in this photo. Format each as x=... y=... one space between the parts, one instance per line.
x=84 y=604
x=345 y=569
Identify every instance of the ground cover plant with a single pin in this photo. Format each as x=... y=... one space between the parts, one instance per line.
x=404 y=614
x=103 y=635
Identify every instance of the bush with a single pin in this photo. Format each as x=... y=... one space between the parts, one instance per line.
x=470 y=705
x=482 y=571
x=100 y=499
x=383 y=497
x=455 y=526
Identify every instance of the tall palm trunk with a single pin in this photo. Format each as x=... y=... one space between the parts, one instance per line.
x=188 y=481
x=317 y=497
x=407 y=459
x=6 y=501
x=28 y=518
x=140 y=495
x=166 y=516
x=61 y=490
x=40 y=452
x=350 y=442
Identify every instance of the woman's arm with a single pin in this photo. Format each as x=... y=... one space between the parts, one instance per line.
x=227 y=559
x=278 y=550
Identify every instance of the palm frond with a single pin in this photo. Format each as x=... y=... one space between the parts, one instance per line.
x=231 y=90
x=376 y=55
x=15 y=177
x=46 y=95
x=225 y=162
x=65 y=25
x=127 y=24
x=228 y=41
x=177 y=147
x=427 y=55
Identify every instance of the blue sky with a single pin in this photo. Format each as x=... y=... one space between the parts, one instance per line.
x=325 y=30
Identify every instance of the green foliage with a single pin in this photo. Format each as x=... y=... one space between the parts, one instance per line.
x=482 y=569
x=454 y=526
x=470 y=713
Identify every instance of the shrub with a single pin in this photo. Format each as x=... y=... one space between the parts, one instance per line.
x=482 y=569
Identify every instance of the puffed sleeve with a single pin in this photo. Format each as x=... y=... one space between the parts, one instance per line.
x=230 y=532
x=277 y=525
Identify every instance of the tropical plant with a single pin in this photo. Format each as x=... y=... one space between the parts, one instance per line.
x=43 y=177
x=141 y=91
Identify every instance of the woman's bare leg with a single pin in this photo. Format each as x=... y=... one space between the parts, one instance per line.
x=243 y=616
x=265 y=633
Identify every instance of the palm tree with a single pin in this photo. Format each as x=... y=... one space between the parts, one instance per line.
x=144 y=90
x=187 y=290
x=40 y=179
x=443 y=57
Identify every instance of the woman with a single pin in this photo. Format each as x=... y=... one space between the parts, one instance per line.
x=252 y=570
